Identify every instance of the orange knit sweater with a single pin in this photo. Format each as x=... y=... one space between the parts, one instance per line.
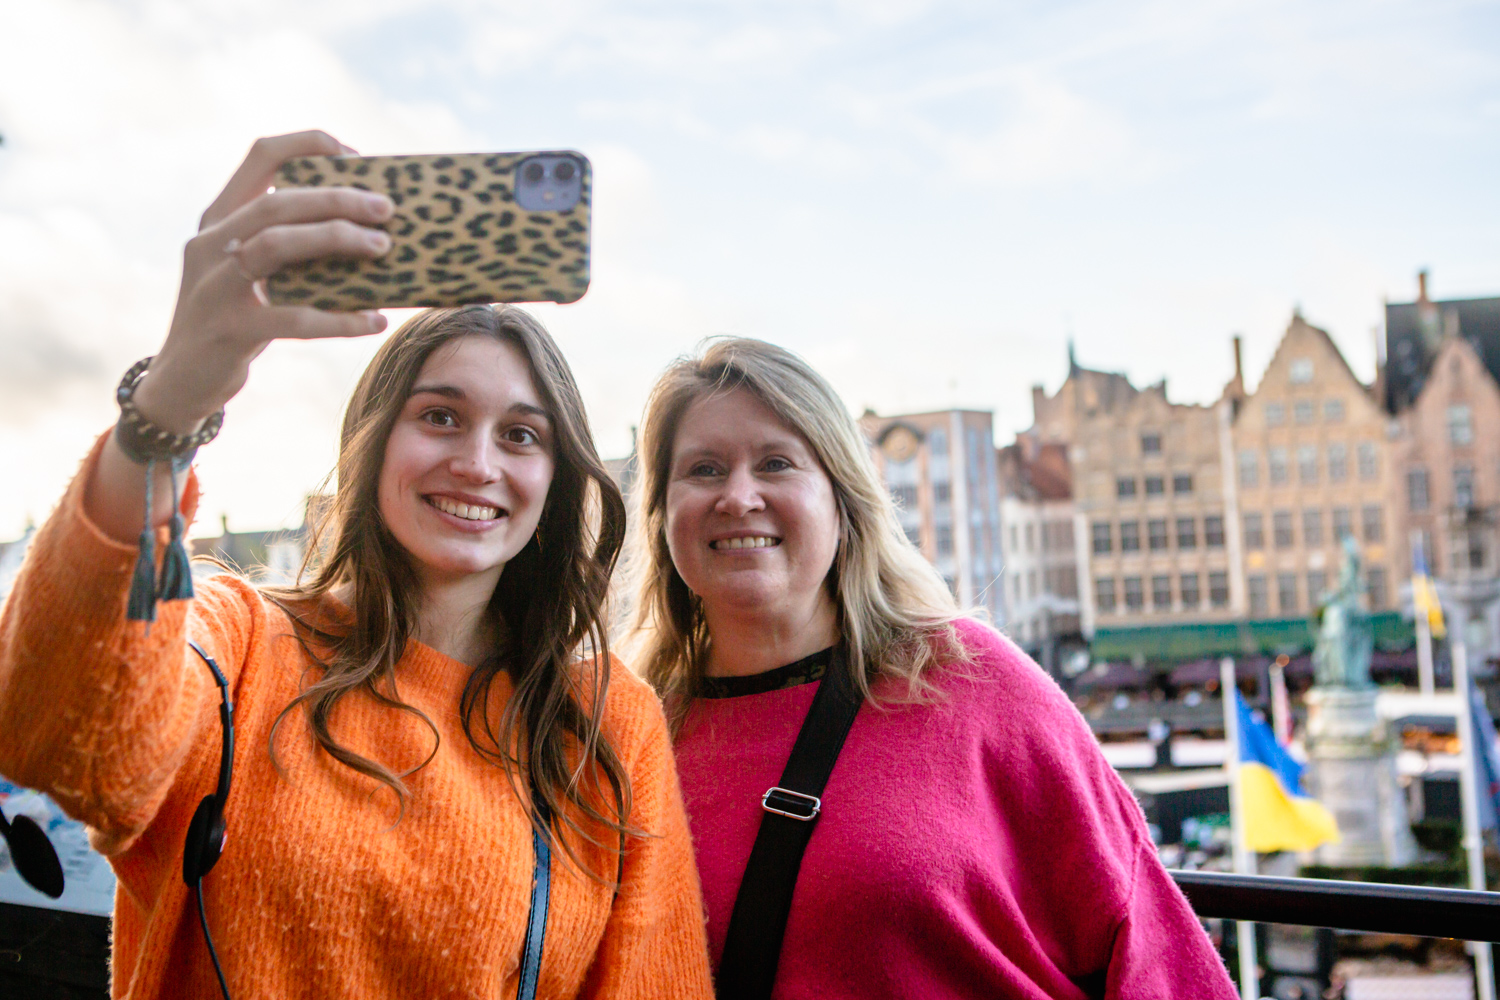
x=319 y=892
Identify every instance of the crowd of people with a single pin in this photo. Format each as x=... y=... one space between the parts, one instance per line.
x=812 y=774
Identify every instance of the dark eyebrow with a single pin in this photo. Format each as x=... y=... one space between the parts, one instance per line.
x=454 y=392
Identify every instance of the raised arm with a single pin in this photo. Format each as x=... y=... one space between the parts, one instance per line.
x=97 y=710
x=222 y=321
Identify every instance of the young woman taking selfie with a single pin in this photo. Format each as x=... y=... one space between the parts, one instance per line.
x=888 y=799
x=435 y=748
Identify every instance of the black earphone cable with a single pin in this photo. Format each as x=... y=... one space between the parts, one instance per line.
x=212 y=951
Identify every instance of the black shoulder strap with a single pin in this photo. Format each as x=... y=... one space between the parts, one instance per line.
x=536 y=922
x=752 y=949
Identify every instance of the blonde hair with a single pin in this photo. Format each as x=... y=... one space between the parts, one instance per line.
x=895 y=614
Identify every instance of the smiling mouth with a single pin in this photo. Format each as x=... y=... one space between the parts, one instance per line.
x=469 y=512
x=752 y=542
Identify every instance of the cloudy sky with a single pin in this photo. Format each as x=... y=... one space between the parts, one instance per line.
x=926 y=199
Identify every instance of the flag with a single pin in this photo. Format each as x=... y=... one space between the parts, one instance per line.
x=1424 y=598
x=1486 y=758
x=1279 y=815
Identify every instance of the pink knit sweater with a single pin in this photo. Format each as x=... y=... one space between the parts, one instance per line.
x=977 y=847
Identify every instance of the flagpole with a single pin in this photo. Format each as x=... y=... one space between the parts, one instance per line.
x=1281 y=706
x=1467 y=756
x=1420 y=612
x=1244 y=861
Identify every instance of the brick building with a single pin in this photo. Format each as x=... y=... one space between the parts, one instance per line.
x=1447 y=459
x=1312 y=464
x=1148 y=493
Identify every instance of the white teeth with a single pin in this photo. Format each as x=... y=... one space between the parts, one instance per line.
x=753 y=542
x=469 y=512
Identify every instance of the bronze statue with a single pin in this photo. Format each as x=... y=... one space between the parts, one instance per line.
x=1346 y=637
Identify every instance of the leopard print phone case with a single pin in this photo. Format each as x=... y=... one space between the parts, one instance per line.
x=458 y=235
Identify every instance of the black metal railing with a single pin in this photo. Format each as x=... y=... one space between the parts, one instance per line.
x=1374 y=907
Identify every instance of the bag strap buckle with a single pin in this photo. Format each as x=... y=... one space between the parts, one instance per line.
x=793 y=805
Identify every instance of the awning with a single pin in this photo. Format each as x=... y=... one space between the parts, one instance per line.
x=1186 y=641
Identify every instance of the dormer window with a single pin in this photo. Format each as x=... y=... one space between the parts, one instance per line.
x=1302 y=371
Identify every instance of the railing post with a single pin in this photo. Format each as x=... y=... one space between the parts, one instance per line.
x=1244 y=861
x=1468 y=794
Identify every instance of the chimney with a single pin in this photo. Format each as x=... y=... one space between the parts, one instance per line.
x=1422 y=285
x=1239 y=368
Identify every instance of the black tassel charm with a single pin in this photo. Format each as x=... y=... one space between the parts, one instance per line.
x=142 y=604
x=176 y=574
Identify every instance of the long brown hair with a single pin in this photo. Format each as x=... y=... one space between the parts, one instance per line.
x=547 y=609
x=895 y=613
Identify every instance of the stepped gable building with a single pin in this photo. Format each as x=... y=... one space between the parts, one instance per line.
x=1440 y=381
x=1312 y=465
x=1039 y=540
x=940 y=468
x=1415 y=333
x=1150 y=509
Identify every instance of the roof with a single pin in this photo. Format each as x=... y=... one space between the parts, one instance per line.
x=1036 y=472
x=1414 y=332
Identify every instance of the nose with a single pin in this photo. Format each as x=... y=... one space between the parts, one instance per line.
x=740 y=495
x=474 y=459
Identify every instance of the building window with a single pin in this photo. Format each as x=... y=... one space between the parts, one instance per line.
x=1150 y=444
x=1218 y=589
x=1338 y=463
x=1281 y=528
x=1187 y=533
x=1333 y=410
x=1375 y=587
x=1303 y=411
x=1031 y=584
x=1286 y=593
x=1276 y=462
x=1182 y=482
x=1460 y=425
x=1317 y=586
x=1474 y=538
x=1463 y=487
x=942 y=491
x=1307 y=465
x=1135 y=596
x=1213 y=531
x=1372 y=523
x=1369 y=466
x=1343 y=524
x=1030 y=537
x=1188 y=588
x=1302 y=371
x=1275 y=414
x=904 y=495
x=1125 y=487
x=1260 y=596
x=1249 y=468
x=1104 y=594
x=945 y=539
x=1255 y=534
x=1103 y=538
x=1156 y=534
x=1130 y=536
x=1417 y=495
x=1161 y=593
x=1312 y=528
x=1154 y=486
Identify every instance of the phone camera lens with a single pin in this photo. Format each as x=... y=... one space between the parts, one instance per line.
x=564 y=171
x=534 y=173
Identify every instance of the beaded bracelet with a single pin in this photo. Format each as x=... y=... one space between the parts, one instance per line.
x=146 y=444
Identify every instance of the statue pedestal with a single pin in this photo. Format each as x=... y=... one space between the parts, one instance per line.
x=1353 y=773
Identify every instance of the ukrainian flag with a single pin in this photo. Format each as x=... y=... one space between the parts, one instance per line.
x=1424 y=596
x=1279 y=815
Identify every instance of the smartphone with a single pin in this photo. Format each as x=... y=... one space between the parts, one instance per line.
x=469 y=227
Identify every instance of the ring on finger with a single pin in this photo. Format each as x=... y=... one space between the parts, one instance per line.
x=232 y=249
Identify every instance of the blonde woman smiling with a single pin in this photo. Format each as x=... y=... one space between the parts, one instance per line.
x=969 y=839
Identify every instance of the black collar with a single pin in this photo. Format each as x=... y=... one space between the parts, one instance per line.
x=804 y=671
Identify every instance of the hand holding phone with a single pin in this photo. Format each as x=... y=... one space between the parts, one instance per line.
x=473 y=227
